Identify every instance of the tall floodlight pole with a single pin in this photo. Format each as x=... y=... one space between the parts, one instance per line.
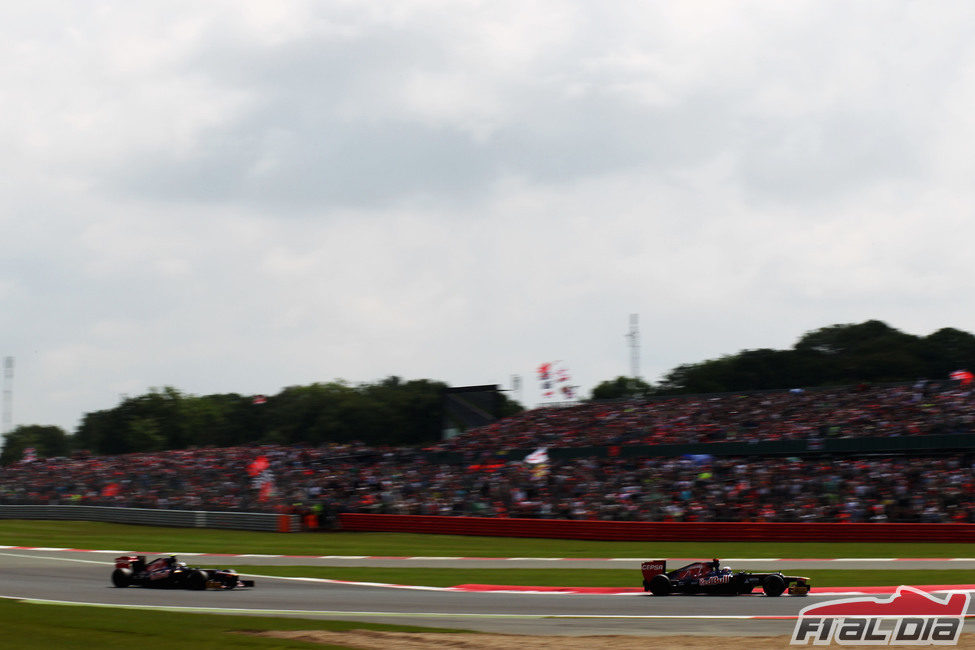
x=634 y=338
x=8 y=394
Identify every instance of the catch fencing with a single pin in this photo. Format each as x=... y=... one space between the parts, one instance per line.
x=645 y=531
x=156 y=517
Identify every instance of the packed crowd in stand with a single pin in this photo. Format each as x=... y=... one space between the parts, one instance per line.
x=932 y=489
x=354 y=478
x=249 y=478
x=920 y=489
x=921 y=409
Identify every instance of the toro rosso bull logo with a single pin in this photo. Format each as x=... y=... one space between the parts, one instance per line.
x=908 y=617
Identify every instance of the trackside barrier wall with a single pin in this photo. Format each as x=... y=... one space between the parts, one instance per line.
x=155 y=517
x=643 y=531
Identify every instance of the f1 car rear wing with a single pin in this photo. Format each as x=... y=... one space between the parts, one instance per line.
x=130 y=562
x=652 y=568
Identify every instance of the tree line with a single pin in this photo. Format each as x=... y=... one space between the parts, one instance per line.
x=390 y=412
x=397 y=412
x=838 y=355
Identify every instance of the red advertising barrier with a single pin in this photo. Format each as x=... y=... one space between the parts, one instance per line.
x=645 y=531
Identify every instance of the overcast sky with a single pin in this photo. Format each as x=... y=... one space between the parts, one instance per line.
x=243 y=196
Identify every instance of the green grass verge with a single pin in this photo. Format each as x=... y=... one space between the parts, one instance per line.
x=27 y=625
x=94 y=535
x=595 y=577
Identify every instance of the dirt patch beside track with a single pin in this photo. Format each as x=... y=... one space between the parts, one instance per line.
x=375 y=640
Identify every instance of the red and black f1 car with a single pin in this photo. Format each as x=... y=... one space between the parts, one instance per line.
x=712 y=578
x=168 y=572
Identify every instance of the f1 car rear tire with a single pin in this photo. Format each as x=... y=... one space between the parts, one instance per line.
x=197 y=581
x=660 y=585
x=773 y=585
x=122 y=577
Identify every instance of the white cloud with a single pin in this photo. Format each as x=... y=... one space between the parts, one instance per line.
x=237 y=197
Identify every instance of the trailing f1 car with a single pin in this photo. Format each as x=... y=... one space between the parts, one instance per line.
x=711 y=578
x=168 y=572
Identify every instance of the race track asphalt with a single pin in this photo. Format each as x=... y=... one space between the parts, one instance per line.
x=84 y=578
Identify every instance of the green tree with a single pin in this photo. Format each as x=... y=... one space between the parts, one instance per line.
x=852 y=339
x=144 y=423
x=949 y=349
x=47 y=441
x=509 y=407
x=713 y=376
x=144 y=434
x=621 y=387
x=871 y=351
x=219 y=420
x=99 y=432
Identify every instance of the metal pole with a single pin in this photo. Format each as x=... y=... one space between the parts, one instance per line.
x=8 y=394
x=634 y=337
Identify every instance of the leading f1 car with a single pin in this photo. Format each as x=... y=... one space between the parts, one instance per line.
x=168 y=572
x=711 y=578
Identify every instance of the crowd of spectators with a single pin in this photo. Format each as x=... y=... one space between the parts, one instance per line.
x=245 y=478
x=921 y=409
x=698 y=488
x=929 y=489
x=355 y=478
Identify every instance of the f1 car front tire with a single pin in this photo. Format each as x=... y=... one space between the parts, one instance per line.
x=660 y=585
x=773 y=585
x=122 y=577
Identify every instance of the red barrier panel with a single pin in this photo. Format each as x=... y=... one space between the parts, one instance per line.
x=284 y=524
x=645 y=531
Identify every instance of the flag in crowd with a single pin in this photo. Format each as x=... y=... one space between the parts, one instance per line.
x=555 y=381
x=258 y=466
x=111 y=490
x=538 y=459
x=538 y=456
x=964 y=377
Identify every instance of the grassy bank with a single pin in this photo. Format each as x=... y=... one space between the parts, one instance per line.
x=27 y=625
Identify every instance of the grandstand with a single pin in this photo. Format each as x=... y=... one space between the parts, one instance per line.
x=900 y=453
x=467 y=407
